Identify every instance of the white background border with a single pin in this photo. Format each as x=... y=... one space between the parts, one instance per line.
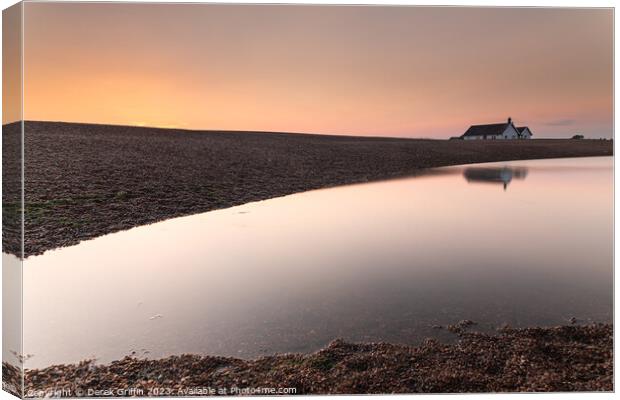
x=485 y=3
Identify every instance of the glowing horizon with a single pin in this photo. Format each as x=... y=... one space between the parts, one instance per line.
x=357 y=70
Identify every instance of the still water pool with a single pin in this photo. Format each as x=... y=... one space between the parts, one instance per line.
x=522 y=243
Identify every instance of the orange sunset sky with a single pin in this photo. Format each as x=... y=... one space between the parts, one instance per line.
x=387 y=71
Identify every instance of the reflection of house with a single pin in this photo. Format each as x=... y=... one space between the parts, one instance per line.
x=494 y=175
x=504 y=130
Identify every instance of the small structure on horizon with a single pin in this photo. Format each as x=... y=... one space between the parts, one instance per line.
x=524 y=132
x=504 y=130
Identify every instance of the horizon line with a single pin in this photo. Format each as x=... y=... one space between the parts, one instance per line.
x=211 y=130
x=227 y=130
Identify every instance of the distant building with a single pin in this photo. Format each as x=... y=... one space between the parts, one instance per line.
x=504 y=130
x=524 y=132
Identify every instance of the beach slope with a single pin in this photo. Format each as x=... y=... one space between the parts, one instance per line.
x=83 y=181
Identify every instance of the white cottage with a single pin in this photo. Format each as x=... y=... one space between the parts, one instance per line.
x=524 y=132
x=504 y=130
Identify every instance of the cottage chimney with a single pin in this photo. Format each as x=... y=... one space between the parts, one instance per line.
x=509 y=120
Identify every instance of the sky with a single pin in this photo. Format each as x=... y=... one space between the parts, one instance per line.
x=355 y=70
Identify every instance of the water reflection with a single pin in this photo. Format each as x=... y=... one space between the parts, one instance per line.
x=382 y=261
x=502 y=175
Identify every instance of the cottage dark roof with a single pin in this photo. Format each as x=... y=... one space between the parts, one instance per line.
x=489 y=129
x=522 y=128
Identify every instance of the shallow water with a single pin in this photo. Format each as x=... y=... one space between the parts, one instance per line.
x=523 y=243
